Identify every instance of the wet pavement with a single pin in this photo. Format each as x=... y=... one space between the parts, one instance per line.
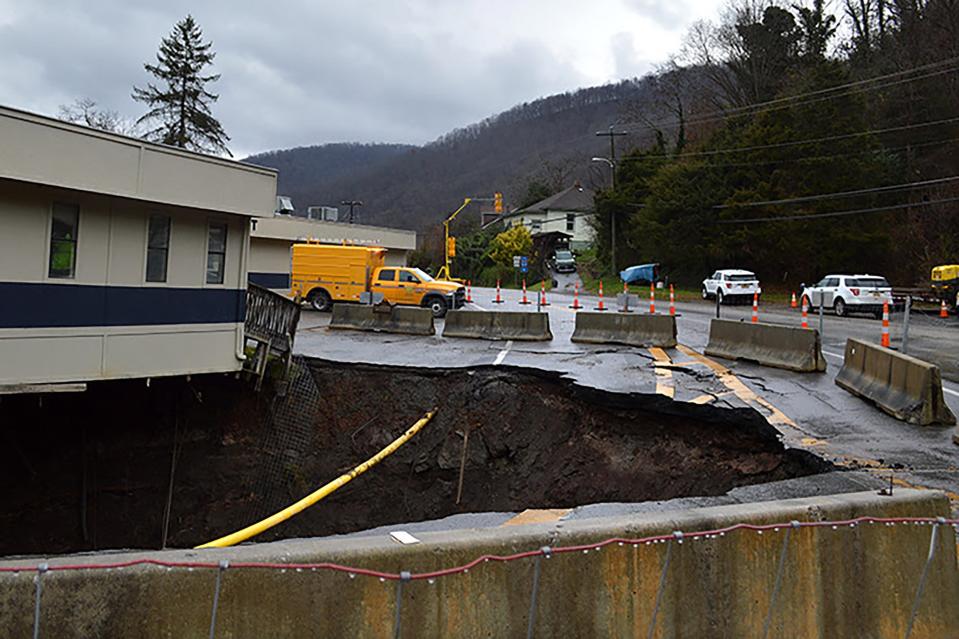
x=809 y=410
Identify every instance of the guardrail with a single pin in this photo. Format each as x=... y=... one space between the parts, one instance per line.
x=271 y=321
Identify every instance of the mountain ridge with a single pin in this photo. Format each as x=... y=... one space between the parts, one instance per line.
x=550 y=140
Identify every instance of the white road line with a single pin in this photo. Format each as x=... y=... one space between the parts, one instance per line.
x=502 y=354
x=478 y=306
x=946 y=390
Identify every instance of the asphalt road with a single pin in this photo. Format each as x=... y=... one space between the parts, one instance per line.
x=809 y=410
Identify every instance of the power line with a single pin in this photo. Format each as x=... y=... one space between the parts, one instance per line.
x=811 y=216
x=829 y=138
x=783 y=102
x=838 y=194
x=833 y=156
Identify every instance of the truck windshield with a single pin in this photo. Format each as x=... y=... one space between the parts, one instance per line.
x=424 y=277
x=564 y=255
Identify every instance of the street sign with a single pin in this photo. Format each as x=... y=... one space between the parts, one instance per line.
x=523 y=264
x=516 y=261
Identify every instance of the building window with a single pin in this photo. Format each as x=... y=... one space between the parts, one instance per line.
x=216 y=254
x=537 y=224
x=570 y=221
x=63 y=240
x=158 y=247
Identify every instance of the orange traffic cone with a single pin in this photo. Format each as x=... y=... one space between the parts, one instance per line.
x=498 y=300
x=469 y=291
x=542 y=293
x=576 y=305
x=793 y=302
x=672 y=302
x=600 y=307
x=524 y=300
x=755 y=308
x=943 y=311
x=805 y=312
x=885 y=324
x=652 y=299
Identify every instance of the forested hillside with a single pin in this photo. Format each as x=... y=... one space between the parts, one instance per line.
x=546 y=143
x=806 y=152
x=307 y=172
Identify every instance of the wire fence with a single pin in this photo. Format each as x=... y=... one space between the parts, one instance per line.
x=45 y=570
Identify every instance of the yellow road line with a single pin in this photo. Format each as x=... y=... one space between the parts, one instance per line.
x=536 y=516
x=736 y=385
x=664 y=376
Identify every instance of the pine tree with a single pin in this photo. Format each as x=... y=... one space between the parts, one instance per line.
x=180 y=107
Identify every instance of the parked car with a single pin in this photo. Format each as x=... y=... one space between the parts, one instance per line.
x=731 y=284
x=563 y=261
x=849 y=293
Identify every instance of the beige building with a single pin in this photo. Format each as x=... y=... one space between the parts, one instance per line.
x=273 y=237
x=565 y=213
x=120 y=258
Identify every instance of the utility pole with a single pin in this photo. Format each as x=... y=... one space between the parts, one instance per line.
x=612 y=135
x=612 y=214
x=351 y=204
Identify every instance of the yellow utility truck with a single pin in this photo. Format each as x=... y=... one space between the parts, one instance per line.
x=945 y=284
x=323 y=274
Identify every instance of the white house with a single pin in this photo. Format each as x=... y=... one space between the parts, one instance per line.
x=567 y=212
x=119 y=258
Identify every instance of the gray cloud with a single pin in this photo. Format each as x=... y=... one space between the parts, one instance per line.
x=296 y=72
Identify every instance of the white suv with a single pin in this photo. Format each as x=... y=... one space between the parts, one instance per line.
x=730 y=284
x=849 y=293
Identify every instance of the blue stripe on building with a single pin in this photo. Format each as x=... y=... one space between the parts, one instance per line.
x=43 y=305
x=271 y=280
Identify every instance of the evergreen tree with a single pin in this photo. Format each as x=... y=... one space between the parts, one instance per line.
x=180 y=106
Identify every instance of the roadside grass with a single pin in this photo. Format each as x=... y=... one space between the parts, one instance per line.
x=612 y=285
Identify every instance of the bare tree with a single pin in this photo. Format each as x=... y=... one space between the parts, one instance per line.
x=87 y=112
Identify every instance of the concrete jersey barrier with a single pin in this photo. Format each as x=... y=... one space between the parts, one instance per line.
x=842 y=583
x=409 y=320
x=792 y=348
x=625 y=328
x=498 y=325
x=905 y=387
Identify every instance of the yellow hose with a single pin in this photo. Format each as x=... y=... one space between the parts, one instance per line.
x=294 y=509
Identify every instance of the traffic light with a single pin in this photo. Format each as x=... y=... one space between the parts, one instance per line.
x=498 y=202
x=451 y=246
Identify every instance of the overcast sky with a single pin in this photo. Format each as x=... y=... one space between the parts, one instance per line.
x=301 y=72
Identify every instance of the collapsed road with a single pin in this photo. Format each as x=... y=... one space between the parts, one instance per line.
x=504 y=439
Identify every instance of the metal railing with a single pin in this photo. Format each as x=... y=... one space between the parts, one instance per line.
x=271 y=321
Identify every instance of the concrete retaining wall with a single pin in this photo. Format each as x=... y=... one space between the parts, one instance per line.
x=498 y=325
x=905 y=387
x=409 y=320
x=792 y=348
x=632 y=329
x=848 y=582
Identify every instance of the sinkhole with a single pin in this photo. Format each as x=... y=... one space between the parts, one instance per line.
x=181 y=462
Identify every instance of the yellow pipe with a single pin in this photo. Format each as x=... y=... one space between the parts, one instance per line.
x=294 y=509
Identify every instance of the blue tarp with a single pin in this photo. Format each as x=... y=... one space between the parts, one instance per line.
x=643 y=273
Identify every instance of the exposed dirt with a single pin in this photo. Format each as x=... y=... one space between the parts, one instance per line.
x=535 y=441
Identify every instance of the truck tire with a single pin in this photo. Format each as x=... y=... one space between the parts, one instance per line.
x=320 y=300
x=436 y=304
